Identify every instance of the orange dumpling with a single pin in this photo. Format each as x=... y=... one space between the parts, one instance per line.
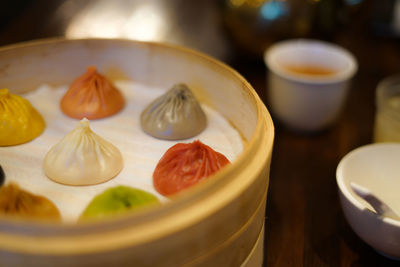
x=92 y=96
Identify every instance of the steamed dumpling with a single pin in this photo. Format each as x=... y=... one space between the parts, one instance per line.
x=175 y=115
x=92 y=96
x=18 y=202
x=185 y=165
x=82 y=158
x=117 y=200
x=20 y=122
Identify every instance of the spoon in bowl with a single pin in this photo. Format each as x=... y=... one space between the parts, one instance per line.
x=379 y=206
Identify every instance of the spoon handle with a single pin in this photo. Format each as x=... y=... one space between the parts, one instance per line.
x=379 y=206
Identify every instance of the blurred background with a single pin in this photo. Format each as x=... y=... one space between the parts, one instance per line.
x=234 y=31
x=304 y=224
x=217 y=27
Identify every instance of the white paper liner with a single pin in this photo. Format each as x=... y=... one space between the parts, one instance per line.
x=23 y=164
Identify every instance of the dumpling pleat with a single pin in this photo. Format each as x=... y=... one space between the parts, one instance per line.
x=82 y=157
x=174 y=115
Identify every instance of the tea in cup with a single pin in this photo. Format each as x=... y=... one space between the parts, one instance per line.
x=308 y=82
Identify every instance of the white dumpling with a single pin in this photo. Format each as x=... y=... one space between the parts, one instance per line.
x=175 y=115
x=82 y=158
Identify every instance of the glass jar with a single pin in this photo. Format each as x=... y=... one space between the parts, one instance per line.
x=387 y=118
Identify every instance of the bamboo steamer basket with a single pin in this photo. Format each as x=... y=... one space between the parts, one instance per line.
x=217 y=223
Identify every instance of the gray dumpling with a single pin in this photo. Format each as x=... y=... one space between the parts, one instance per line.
x=175 y=115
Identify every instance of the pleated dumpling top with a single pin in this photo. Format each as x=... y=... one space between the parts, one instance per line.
x=92 y=96
x=20 y=122
x=82 y=158
x=175 y=115
x=17 y=202
x=184 y=165
x=117 y=200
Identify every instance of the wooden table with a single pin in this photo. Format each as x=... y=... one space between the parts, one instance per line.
x=305 y=225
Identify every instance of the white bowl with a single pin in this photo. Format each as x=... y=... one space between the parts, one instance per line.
x=375 y=167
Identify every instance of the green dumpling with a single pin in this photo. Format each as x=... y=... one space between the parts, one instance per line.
x=117 y=200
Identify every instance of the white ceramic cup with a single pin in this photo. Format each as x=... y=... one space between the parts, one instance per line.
x=303 y=101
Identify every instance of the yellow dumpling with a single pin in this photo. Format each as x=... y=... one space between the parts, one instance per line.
x=20 y=122
x=18 y=202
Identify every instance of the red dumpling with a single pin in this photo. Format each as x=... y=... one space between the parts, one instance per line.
x=184 y=165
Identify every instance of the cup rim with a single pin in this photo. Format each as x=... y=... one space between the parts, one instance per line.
x=340 y=180
x=340 y=76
